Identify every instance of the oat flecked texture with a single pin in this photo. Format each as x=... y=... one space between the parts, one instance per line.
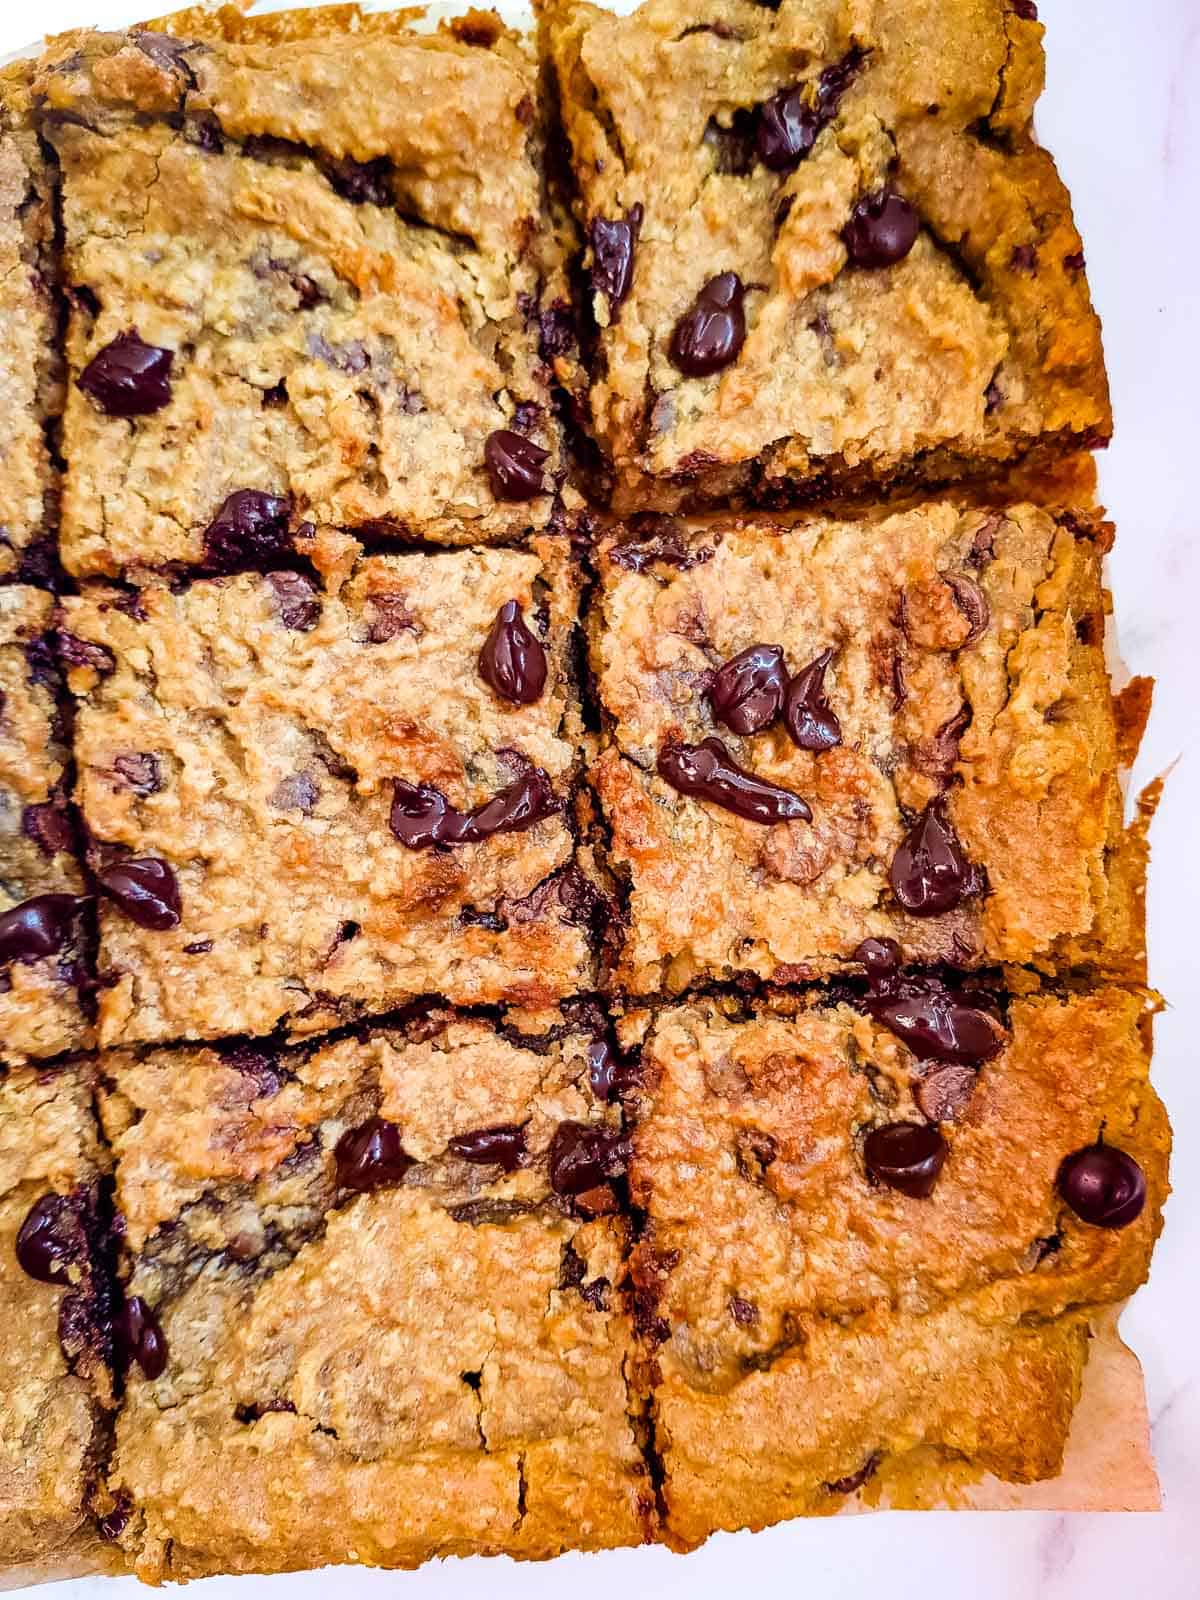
x=439 y=1113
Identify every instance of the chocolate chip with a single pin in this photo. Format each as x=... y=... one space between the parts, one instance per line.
x=608 y=1075
x=525 y=802
x=613 y=246
x=250 y=529
x=1026 y=10
x=743 y=1312
x=360 y=182
x=370 y=1156
x=907 y=1156
x=937 y=1024
x=1103 y=1186
x=146 y=890
x=299 y=607
x=708 y=772
x=929 y=873
x=422 y=817
x=514 y=465
x=140 y=771
x=882 y=229
x=881 y=958
x=855 y=1480
x=502 y=1146
x=807 y=714
x=512 y=661
x=391 y=616
x=584 y=1157
x=937 y=757
x=658 y=539
x=129 y=378
x=836 y=79
x=140 y=1337
x=972 y=602
x=1024 y=258
x=51 y=1240
x=787 y=129
x=49 y=826
x=37 y=927
x=1075 y=262
x=944 y=1093
x=747 y=692
x=76 y=652
x=710 y=335
x=111 y=1525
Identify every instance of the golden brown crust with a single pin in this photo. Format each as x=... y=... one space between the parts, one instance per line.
x=974 y=347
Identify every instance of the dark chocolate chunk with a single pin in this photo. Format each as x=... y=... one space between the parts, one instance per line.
x=49 y=826
x=614 y=244
x=76 y=652
x=360 y=182
x=608 y=1074
x=503 y=1146
x=1103 y=1186
x=370 y=1156
x=129 y=378
x=710 y=335
x=145 y=889
x=422 y=817
x=882 y=229
x=929 y=873
x=658 y=539
x=140 y=1338
x=807 y=714
x=51 y=1240
x=37 y=927
x=937 y=1024
x=512 y=661
x=787 y=129
x=296 y=593
x=584 y=1157
x=747 y=692
x=708 y=772
x=514 y=465
x=249 y=530
x=523 y=803
x=907 y=1156
x=944 y=1092
x=972 y=602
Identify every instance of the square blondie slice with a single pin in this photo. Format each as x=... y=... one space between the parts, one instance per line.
x=42 y=921
x=871 y=1250
x=372 y=1288
x=825 y=249
x=30 y=380
x=826 y=731
x=55 y=1291
x=306 y=803
x=307 y=270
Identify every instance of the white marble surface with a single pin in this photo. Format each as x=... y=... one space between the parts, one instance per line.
x=1122 y=115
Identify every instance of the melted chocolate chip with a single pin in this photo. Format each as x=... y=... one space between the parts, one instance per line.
x=360 y=182
x=747 y=692
x=743 y=1312
x=661 y=541
x=514 y=465
x=146 y=891
x=51 y=1240
x=512 y=661
x=787 y=129
x=502 y=1146
x=584 y=1157
x=49 y=826
x=937 y=1024
x=76 y=652
x=882 y=229
x=944 y=1092
x=1026 y=10
x=1103 y=1186
x=710 y=335
x=111 y=1525
x=881 y=958
x=129 y=378
x=708 y=772
x=929 y=873
x=907 y=1156
x=37 y=927
x=370 y=1156
x=422 y=817
x=608 y=1075
x=613 y=246
x=807 y=714
x=140 y=1338
x=972 y=602
x=855 y=1480
x=299 y=606
x=140 y=771
x=249 y=530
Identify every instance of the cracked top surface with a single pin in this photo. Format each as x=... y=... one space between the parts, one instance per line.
x=804 y=1308
x=349 y=285
x=432 y=1368
x=257 y=759
x=48 y=1144
x=39 y=1005
x=966 y=662
x=979 y=341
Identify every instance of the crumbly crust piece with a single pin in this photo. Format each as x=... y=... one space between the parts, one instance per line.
x=29 y=378
x=250 y=734
x=350 y=286
x=432 y=1367
x=40 y=1013
x=979 y=343
x=812 y=1320
x=53 y=1379
x=966 y=663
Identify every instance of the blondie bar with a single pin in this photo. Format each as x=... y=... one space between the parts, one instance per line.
x=825 y=250
x=371 y=1288
x=42 y=908
x=309 y=277
x=308 y=801
x=876 y=1230
x=823 y=731
x=54 y=1290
